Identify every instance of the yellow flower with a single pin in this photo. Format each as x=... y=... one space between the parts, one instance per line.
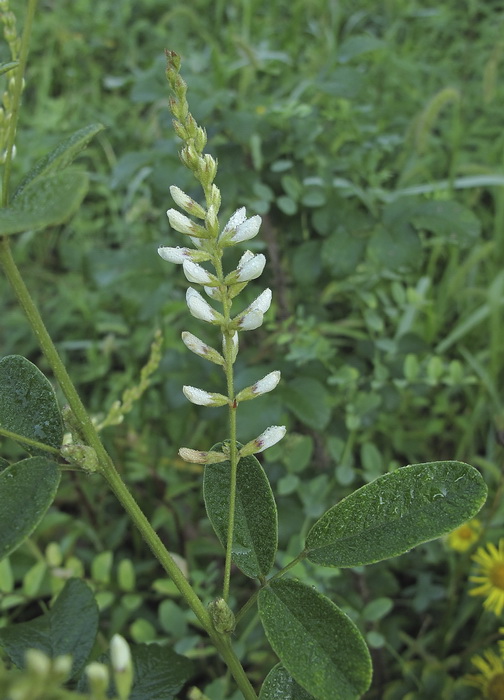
x=464 y=536
x=490 y=680
x=490 y=576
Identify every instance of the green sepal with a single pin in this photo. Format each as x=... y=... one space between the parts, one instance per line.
x=28 y=404
x=255 y=528
x=69 y=627
x=320 y=646
x=27 y=489
x=47 y=201
x=396 y=512
x=61 y=157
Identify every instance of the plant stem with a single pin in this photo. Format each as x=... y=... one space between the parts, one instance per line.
x=16 y=100
x=233 y=454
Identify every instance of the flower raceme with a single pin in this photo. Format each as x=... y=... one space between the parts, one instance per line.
x=209 y=244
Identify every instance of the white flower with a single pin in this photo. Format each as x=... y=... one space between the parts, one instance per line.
x=251 y=269
x=200 y=308
x=198 y=457
x=252 y=317
x=267 y=383
x=204 y=398
x=196 y=273
x=183 y=224
x=268 y=438
x=239 y=228
x=200 y=348
x=247 y=230
x=120 y=655
x=186 y=203
x=174 y=255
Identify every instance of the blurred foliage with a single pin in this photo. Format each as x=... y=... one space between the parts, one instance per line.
x=370 y=141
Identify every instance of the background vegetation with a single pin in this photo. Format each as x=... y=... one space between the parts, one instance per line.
x=370 y=141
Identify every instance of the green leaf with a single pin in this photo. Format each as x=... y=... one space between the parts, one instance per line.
x=396 y=512
x=280 y=685
x=6 y=67
x=61 y=157
x=27 y=489
x=44 y=202
x=159 y=672
x=308 y=399
x=449 y=220
x=255 y=531
x=70 y=627
x=316 y=642
x=28 y=403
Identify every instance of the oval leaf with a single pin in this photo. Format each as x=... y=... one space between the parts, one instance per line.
x=28 y=403
x=280 y=685
x=396 y=512
x=318 y=644
x=255 y=532
x=62 y=156
x=27 y=489
x=47 y=201
x=70 y=627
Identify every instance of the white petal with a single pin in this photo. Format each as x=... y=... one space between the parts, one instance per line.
x=270 y=437
x=196 y=273
x=203 y=398
x=181 y=223
x=179 y=197
x=199 y=308
x=263 y=301
x=252 y=269
x=120 y=654
x=247 y=230
x=267 y=383
x=174 y=255
x=197 y=396
x=238 y=218
x=251 y=320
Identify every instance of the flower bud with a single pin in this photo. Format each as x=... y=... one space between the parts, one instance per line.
x=122 y=665
x=252 y=317
x=211 y=221
x=200 y=308
x=197 y=274
x=204 y=398
x=186 y=203
x=268 y=438
x=198 y=457
x=239 y=228
x=263 y=386
x=178 y=255
x=200 y=348
x=250 y=269
x=98 y=678
x=230 y=343
x=223 y=618
x=183 y=224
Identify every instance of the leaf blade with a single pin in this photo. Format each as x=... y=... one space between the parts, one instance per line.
x=28 y=404
x=27 y=489
x=48 y=202
x=69 y=627
x=396 y=512
x=255 y=531
x=316 y=642
x=62 y=156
